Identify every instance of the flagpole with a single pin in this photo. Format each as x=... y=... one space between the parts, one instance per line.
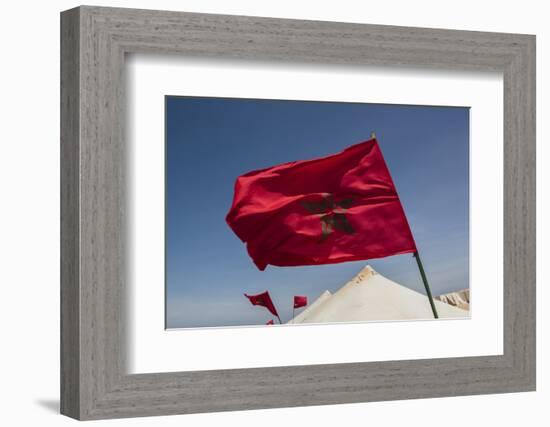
x=280 y=323
x=425 y=280
x=293 y=310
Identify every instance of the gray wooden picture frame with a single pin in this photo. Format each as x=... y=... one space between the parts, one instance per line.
x=94 y=382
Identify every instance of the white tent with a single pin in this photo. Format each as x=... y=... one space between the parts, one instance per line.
x=369 y=297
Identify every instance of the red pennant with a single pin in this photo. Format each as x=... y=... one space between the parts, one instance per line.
x=300 y=301
x=269 y=322
x=263 y=300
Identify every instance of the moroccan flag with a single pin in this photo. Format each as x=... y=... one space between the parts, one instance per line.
x=300 y=301
x=269 y=322
x=264 y=300
x=342 y=207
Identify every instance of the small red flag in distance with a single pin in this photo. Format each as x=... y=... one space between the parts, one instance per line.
x=338 y=208
x=300 y=301
x=269 y=322
x=263 y=300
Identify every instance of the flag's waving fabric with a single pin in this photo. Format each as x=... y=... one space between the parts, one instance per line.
x=343 y=207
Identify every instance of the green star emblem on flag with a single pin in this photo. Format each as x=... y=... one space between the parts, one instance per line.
x=332 y=214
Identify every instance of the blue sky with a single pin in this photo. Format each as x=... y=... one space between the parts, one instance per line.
x=211 y=141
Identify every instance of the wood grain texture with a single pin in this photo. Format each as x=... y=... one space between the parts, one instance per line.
x=94 y=381
x=70 y=292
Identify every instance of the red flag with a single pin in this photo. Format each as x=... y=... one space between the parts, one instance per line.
x=269 y=322
x=264 y=300
x=300 y=301
x=343 y=207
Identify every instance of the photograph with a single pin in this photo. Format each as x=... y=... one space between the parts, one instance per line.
x=294 y=212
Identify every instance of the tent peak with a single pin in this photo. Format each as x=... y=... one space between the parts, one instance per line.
x=364 y=274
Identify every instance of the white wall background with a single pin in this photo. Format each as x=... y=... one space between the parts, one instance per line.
x=29 y=213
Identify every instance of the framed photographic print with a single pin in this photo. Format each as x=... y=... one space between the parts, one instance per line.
x=263 y=213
